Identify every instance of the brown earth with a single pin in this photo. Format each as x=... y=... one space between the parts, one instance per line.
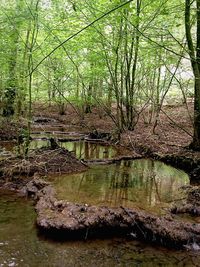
x=173 y=132
x=170 y=144
x=15 y=172
x=64 y=220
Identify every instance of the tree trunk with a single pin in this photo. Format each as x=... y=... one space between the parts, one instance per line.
x=195 y=62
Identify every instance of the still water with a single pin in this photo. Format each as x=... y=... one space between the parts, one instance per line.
x=20 y=245
x=146 y=184
x=82 y=149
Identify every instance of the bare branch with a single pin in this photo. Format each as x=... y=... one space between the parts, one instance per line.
x=78 y=32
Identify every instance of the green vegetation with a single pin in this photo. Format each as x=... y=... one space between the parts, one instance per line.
x=124 y=56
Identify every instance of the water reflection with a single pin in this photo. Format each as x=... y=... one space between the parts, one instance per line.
x=88 y=150
x=82 y=149
x=143 y=183
x=21 y=246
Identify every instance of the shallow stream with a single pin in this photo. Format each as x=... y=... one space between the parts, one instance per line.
x=20 y=245
x=82 y=149
x=145 y=184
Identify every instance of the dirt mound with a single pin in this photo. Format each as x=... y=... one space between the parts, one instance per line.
x=192 y=203
x=65 y=220
x=42 y=161
x=8 y=130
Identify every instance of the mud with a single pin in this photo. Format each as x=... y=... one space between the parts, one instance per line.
x=9 y=130
x=42 y=161
x=191 y=205
x=69 y=220
x=64 y=220
x=168 y=143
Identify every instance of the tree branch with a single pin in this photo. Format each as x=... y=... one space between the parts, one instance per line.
x=78 y=32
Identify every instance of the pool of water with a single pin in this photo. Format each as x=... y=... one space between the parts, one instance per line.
x=21 y=245
x=144 y=183
x=88 y=150
x=82 y=149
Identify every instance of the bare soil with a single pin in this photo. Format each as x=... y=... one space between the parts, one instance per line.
x=169 y=143
x=43 y=161
x=64 y=220
x=173 y=133
x=15 y=172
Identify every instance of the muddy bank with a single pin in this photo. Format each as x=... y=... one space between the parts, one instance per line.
x=184 y=159
x=65 y=220
x=68 y=219
x=42 y=161
x=9 y=130
x=167 y=144
x=191 y=205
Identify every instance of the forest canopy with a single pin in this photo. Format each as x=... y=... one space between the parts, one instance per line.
x=133 y=55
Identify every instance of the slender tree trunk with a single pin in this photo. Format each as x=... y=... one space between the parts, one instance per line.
x=30 y=79
x=195 y=62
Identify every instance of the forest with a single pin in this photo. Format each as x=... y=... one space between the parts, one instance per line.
x=100 y=132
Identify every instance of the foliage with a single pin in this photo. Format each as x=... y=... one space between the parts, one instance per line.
x=131 y=58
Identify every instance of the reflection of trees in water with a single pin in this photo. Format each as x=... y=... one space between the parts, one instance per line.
x=142 y=182
x=115 y=193
x=81 y=149
x=88 y=150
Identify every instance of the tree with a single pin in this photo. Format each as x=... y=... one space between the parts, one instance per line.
x=11 y=84
x=194 y=53
x=109 y=53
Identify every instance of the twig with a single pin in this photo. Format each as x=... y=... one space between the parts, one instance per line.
x=131 y=142
x=78 y=32
x=176 y=123
x=130 y=215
